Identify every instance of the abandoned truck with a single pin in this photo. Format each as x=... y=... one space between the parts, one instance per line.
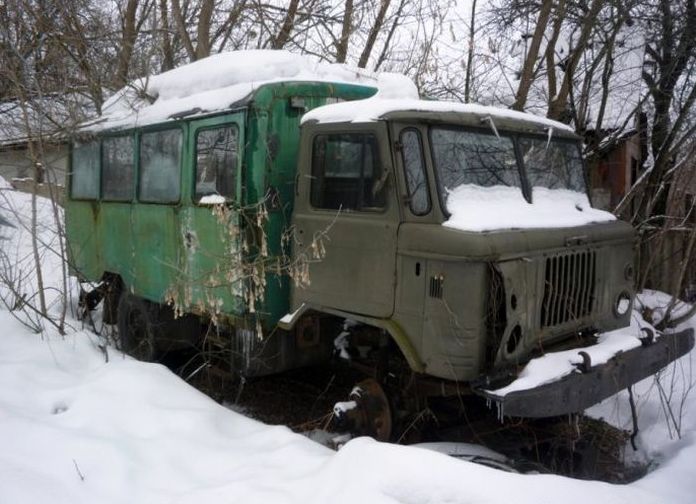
x=451 y=243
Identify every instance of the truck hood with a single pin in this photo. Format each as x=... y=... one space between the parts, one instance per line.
x=444 y=242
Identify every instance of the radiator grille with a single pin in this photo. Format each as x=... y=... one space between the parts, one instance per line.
x=569 y=288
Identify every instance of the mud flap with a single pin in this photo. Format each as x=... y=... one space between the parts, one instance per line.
x=591 y=384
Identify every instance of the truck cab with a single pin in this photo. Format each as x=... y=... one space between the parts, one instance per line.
x=463 y=232
x=405 y=209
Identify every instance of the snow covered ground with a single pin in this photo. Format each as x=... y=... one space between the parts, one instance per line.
x=75 y=428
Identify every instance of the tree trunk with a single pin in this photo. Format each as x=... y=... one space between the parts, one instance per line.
x=559 y=103
x=128 y=37
x=288 y=24
x=342 y=46
x=203 y=31
x=527 y=76
x=470 y=54
x=167 y=53
x=374 y=31
x=182 y=29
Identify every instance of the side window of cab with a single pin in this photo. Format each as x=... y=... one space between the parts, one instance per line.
x=347 y=173
x=418 y=194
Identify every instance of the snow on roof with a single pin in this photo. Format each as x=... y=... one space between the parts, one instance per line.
x=394 y=95
x=215 y=83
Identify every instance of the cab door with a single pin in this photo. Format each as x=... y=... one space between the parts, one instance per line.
x=210 y=233
x=346 y=219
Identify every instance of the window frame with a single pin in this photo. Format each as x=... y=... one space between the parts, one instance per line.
x=424 y=169
x=135 y=160
x=385 y=166
x=139 y=165
x=194 y=162
x=95 y=140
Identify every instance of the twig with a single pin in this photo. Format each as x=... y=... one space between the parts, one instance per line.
x=634 y=417
x=79 y=473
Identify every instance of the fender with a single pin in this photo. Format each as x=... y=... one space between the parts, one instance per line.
x=390 y=326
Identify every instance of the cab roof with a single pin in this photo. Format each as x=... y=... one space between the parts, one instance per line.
x=468 y=114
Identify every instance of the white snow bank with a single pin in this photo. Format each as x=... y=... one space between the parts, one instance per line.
x=657 y=303
x=75 y=429
x=4 y=184
x=214 y=83
x=17 y=263
x=658 y=438
x=372 y=109
x=476 y=208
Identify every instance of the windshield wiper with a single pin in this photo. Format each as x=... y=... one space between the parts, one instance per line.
x=489 y=119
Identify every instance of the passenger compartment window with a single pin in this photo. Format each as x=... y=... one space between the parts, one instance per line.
x=414 y=170
x=85 y=171
x=160 y=166
x=216 y=162
x=117 y=168
x=347 y=173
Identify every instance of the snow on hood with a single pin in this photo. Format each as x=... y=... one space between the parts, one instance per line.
x=216 y=82
x=476 y=208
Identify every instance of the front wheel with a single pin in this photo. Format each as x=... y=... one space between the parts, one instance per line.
x=136 y=327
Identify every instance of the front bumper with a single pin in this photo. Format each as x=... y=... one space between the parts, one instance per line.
x=591 y=384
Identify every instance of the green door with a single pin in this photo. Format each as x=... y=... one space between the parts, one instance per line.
x=209 y=234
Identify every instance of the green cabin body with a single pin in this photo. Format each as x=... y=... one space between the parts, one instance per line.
x=180 y=250
x=454 y=304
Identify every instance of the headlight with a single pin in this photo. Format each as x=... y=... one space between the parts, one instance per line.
x=622 y=304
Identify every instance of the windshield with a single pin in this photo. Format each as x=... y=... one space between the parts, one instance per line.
x=554 y=165
x=484 y=159
x=473 y=157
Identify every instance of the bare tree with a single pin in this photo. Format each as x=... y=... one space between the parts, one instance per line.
x=346 y=29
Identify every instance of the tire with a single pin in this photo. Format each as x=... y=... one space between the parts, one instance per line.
x=136 y=323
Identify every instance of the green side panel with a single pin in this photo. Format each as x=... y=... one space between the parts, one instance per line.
x=273 y=140
x=116 y=243
x=81 y=228
x=189 y=251
x=155 y=250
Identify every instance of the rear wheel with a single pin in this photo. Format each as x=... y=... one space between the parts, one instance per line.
x=136 y=327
